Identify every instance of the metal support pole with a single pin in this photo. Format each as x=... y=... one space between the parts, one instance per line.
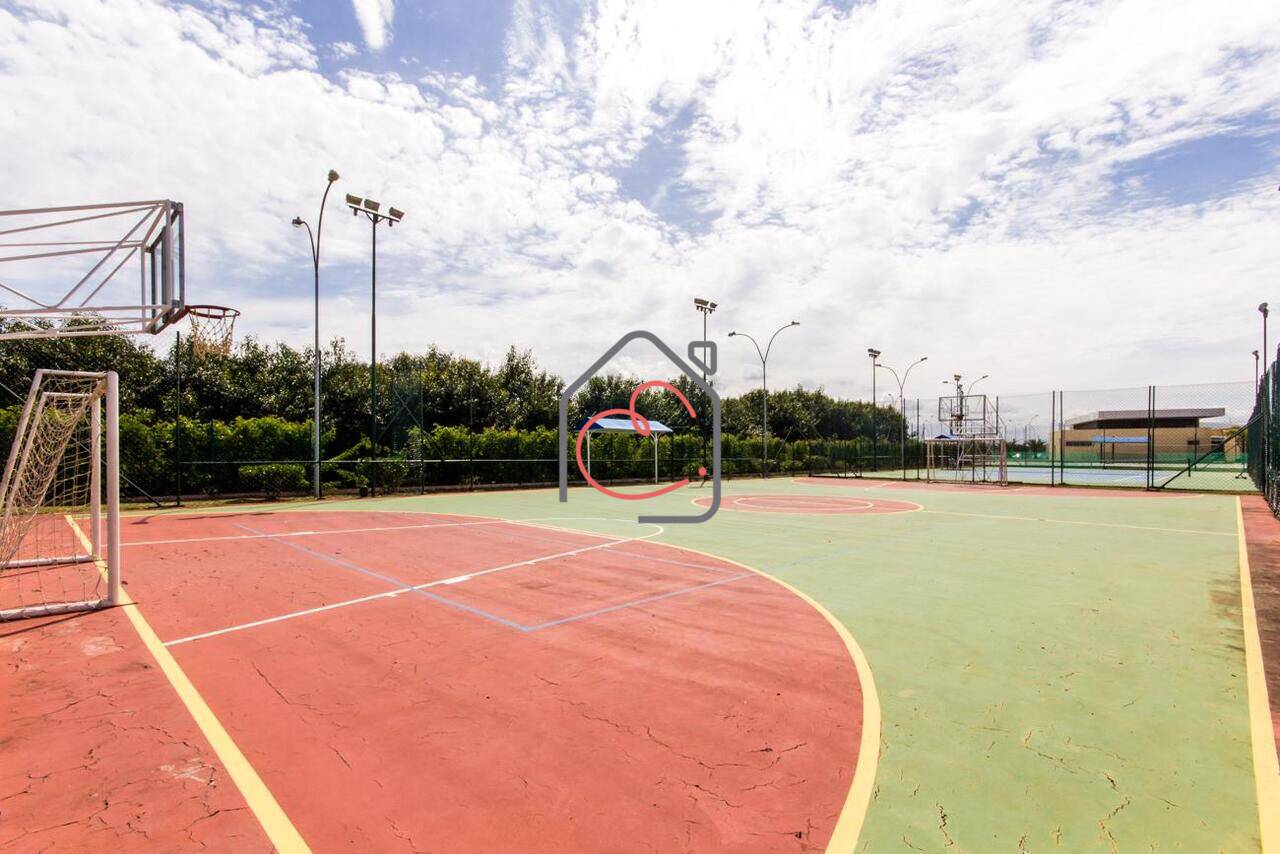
x=764 y=426
x=177 y=416
x=95 y=480
x=902 y=413
x=873 y=413
x=113 y=488
x=373 y=366
x=1266 y=411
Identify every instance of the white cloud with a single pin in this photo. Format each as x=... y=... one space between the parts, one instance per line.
x=831 y=149
x=375 y=17
x=343 y=50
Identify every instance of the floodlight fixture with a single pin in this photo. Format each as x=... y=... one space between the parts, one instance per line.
x=372 y=206
x=396 y=214
x=333 y=175
x=297 y=222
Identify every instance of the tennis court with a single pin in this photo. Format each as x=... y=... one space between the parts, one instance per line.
x=1218 y=477
x=826 y=664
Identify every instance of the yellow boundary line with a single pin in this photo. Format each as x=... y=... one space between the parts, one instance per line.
x=279 y=829
x=1266 y=771
x=844 y=836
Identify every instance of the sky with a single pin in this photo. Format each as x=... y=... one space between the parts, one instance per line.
x=1059 y=194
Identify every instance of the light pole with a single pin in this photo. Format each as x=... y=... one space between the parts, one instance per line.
x=1255 y=371
x=764 y=384
x=902 y=401
x=1266 y=406
x=1026 y=430
x=874 y=354
x=957 y=411
x=315 y=263
x=373 y=211
x=705 y=307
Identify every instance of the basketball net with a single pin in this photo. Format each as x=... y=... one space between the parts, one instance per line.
x=212 y=328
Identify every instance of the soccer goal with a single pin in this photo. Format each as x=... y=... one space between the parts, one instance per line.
x=59 y=552
x=966 y=459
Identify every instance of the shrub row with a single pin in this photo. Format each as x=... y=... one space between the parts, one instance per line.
x=270 y=456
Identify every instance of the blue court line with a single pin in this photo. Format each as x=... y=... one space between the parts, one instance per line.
x=637 y=602
x=408 y=588
x=479 y=612
x=673 y=562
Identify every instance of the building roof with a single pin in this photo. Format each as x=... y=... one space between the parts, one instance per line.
x=624 y=425
x=1160 y=414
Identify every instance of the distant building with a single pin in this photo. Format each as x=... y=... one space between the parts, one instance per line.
x=1121 y=435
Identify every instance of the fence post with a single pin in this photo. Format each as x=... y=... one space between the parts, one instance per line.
x=177 y=417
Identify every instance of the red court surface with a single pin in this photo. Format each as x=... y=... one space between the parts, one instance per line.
x=811 y=505
x=425 y=682
x=99 y=753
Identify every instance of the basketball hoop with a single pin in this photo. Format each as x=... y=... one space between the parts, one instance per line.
x=211 y=329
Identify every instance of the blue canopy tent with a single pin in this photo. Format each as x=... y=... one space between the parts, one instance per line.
x=624 y=425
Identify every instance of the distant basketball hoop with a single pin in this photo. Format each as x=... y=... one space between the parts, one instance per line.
x=212 y=328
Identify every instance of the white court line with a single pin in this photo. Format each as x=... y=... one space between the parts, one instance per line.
x=1079 y=522
x=317 y=533
x=390 y=594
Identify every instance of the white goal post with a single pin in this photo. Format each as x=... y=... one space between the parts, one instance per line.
x=966 y=459
x=57 y=551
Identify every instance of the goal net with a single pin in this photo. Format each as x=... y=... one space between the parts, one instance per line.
x=59 y=551
x=966 y=459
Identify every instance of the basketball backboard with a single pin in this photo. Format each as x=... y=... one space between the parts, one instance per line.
x=65 y=271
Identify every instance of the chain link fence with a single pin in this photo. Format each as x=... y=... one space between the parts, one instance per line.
x=1208 y=437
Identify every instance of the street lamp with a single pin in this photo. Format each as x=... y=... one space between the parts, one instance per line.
x=299 y=222
x=1266 y=405
x=874 y=354
x=1255 y=371
x=373 y=212
x=902 y=401
x=764 y=384
x=705 y=307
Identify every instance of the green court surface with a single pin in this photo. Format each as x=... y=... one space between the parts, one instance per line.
x=1055 y=672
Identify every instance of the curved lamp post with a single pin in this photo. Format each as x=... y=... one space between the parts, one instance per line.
x=299 y=222
x=764 y=383
x=902 y=403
